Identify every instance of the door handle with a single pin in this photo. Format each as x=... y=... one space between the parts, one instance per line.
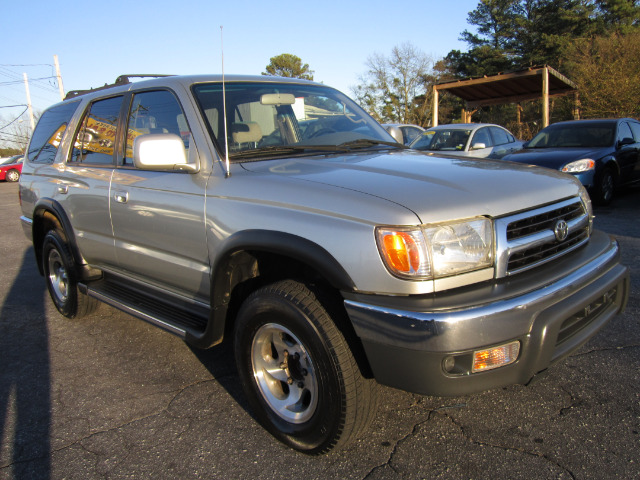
x=121 y=197
x=63 y=189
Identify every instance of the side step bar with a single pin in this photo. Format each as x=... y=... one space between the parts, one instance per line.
x=176 y=315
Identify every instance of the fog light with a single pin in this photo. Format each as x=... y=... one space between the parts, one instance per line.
x=495 y=357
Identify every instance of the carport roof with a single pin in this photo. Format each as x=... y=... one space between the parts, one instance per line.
x=511 y=87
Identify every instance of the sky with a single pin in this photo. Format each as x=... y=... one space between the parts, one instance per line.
x=97 y=41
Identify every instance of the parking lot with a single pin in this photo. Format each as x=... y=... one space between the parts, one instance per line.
x=113 y=397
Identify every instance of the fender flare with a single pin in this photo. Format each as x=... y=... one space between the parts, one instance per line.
x=289 y=245
x=51 y=206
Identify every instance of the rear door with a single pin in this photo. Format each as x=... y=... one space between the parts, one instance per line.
x=158 y=216
x=82 y=186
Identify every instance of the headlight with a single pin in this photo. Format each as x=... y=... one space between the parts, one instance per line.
x=586 y=201
x=579 y=166
x=435 y=251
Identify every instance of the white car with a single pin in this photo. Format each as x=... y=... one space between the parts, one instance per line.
x=469 y=139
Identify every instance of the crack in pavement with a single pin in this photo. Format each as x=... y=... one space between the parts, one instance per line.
x=111 y=429
x=507 y=448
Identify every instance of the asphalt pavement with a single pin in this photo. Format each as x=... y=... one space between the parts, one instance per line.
x=111 y=397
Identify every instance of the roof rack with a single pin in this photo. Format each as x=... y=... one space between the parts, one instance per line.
x=121 y=80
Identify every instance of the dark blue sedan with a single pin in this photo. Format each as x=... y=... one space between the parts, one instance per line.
x=602 y=154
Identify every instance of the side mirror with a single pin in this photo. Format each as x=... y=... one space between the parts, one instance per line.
x=478 y=146
x=625 y=141
x=161 y=151
x=396 y=133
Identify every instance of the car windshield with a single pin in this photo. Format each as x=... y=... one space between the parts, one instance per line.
x=585 y=135
x=10 y=160
x=265 y=119
x=445 y=139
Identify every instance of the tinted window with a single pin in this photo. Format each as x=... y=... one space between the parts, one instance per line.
x=155 y=112
x=635 y=127
x=96 y=137
x=500 y=137
x=579 y=134
x=48 y=133
x=624 y=131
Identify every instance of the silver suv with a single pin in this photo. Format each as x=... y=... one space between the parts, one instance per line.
x=276 y=212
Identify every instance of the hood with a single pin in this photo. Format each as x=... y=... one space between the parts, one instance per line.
x=435 y=188
x=555 y=158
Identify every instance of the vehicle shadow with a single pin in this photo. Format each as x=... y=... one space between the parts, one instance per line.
x=220 y=362
x=25 y=379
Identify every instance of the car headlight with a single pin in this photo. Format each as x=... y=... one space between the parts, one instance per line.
x=437 y=250
x=586 y=201
x=579 y=166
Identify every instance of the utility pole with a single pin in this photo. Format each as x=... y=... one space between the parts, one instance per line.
x=60 y=86
x=26 y=87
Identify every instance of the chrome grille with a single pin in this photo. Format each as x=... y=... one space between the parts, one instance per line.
x=528 y=239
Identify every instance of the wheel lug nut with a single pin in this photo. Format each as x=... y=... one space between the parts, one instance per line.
x=290 y=381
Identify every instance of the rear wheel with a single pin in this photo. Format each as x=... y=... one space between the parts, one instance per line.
x=298 y=372
x=61 y=277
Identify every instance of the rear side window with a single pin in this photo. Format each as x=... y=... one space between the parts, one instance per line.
x=49 y=131
x=95 y=141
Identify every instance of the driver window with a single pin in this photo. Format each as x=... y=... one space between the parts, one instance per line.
x=155 y=112
x=482 y=136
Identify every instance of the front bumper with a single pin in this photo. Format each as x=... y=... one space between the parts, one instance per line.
x=551 y=311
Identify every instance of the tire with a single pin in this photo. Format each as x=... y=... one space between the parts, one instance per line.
x=605 y=187
x=298 y=372
x=61 y=277
x=12 y=176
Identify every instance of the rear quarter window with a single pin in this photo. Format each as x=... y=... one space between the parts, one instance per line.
x=49 y=132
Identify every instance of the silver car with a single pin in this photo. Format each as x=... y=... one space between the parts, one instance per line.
x=482 y=140
x=403 y=133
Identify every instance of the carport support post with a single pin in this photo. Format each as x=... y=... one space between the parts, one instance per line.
x=545 y=97
x=434 y=110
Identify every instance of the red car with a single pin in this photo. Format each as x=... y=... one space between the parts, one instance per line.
x=11 y=168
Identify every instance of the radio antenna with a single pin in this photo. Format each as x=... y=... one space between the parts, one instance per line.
x=227 y=172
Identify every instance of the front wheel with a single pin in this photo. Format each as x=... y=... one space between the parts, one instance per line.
x=12 y=175
x=298 y=372
x=605 y=187
x=61 y=277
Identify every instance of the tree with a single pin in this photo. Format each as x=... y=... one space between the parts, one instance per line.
x=287 y=65
x=606 y=70
x=394 y=88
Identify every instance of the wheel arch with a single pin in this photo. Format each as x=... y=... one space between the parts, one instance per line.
x=49 y=214
x=252 y=258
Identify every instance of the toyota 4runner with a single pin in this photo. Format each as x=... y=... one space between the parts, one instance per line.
x=278 y=213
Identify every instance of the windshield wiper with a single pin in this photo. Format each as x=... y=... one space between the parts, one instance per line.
x=283 y=149
x=367 y=142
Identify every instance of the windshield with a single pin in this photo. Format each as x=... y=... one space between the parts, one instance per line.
x=10 y=160
x=276 y=118
x=446 y=139
x=585 y=135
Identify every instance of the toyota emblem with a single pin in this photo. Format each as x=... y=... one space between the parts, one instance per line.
x=561 y=230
